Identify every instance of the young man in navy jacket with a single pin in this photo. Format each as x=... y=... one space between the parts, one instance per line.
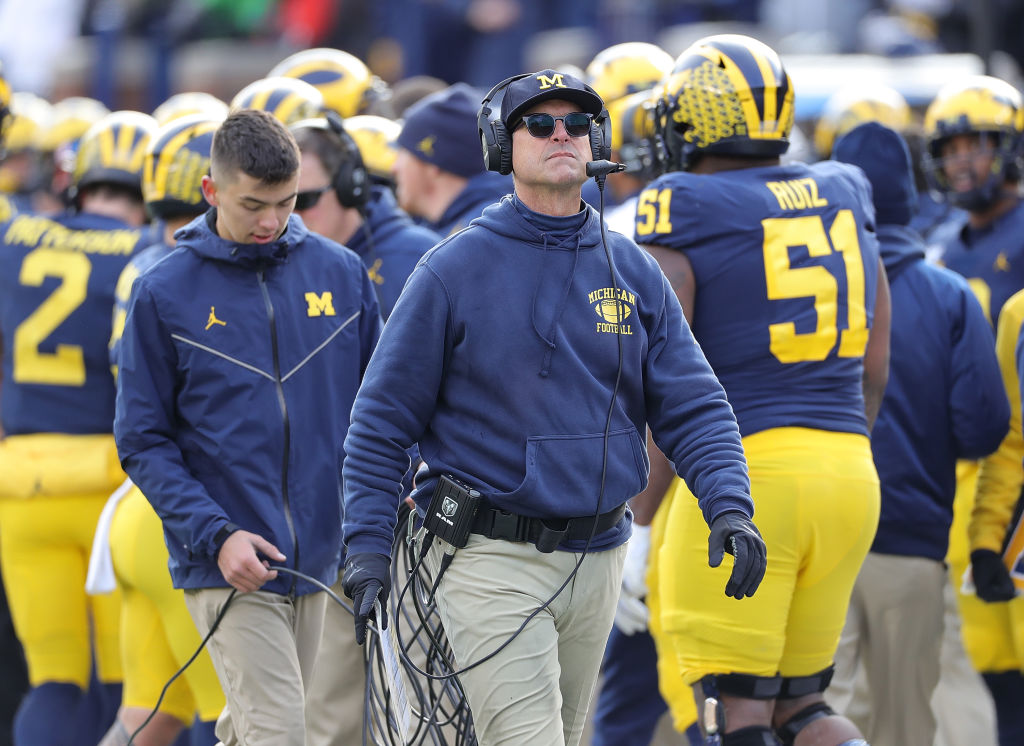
x=527 y=368
x=241 y=356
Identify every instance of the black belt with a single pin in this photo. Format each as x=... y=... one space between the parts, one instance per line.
x=545 y=533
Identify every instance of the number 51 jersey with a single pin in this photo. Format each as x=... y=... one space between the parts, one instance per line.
x=56 y=307
x=785 y=261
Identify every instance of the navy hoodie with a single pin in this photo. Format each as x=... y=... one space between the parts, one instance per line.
x=944 y=400
x=501 y=358
x=480 y=192
x=238 y=367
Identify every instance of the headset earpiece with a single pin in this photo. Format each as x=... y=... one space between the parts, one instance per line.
x=601 y=137
x=494 y=138
x=351 y=182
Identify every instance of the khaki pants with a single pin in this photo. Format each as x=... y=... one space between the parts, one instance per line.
x=537 y=689
x=894 y=628
x=263 y=651
x=336 y=700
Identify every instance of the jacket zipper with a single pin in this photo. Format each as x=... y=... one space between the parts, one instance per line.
x=279 y=385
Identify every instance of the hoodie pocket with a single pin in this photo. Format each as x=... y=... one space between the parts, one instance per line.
x=563 y=472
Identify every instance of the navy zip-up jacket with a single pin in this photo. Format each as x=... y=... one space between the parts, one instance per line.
x=390 y=244
x=238 y=367
x=944 y=400
x=501 y=358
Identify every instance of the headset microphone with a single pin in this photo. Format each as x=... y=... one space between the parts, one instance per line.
x=603 y=168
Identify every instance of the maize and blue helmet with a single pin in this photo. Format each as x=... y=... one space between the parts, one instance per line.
x=177 y=158
x=346 y=83
x=857 y=104
x=112 y=151
x=190 y=102
x=634 y=133
x=289 y=100
x=726 y=95
x=978 y=105
x=627 y=68
x=377 y=140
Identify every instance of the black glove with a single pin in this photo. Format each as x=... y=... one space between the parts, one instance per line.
x=367 y=577
x=992 y=581
x=736 y=534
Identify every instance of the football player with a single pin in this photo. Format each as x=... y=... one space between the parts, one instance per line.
x=157 y=634
x=777 y=269
x=973 y=136
x=57 y=408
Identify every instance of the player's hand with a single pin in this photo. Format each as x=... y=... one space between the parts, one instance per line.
x=736 y=534
x=992 y=581
x=367 y=577
x=631 y=614
x=240 y=565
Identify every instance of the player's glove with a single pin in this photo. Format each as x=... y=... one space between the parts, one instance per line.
x=992 y=581
x=631 y=613
x=736 y=534
x=367 y=577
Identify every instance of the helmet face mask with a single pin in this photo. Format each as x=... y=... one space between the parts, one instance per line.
x=982 y=120
x=727 y=95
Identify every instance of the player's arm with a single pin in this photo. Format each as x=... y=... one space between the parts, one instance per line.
x=1000 y=477
x=876 y=355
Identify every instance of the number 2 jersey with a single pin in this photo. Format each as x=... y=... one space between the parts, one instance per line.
x=786 y=264
x=56 y=301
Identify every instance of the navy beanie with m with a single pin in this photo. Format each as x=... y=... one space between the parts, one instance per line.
x=883 y=155
x=441 y=129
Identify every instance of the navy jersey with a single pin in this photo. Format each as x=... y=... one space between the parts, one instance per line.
x=56 y=296
x=992 y=259
x=786 y=263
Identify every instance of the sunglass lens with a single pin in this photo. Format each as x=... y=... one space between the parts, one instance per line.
x=577 y=124
x=540 y=125
x=305 y=200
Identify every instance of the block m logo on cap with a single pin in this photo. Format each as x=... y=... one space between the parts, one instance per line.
x=553 y=82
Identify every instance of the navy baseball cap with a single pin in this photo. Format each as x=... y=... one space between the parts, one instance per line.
x=526 y=92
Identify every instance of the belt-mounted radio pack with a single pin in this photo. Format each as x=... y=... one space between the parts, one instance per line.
x=451 y=511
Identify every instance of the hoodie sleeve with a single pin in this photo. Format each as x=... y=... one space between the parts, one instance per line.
x=979 y=406
x=144 y=428
x=392 y=408
x=690 y=418
x=1001 y=476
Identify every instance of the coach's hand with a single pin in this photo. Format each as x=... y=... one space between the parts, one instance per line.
x=736 y=534
x=367 y=577
x=241 y=566
x=992 y=581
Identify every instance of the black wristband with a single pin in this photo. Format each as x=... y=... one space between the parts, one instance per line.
x=222 y=535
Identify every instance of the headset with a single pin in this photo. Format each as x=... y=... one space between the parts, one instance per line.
x=496 y=141
x=351 y=182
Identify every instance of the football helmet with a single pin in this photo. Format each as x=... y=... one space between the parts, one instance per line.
x=857 y=104
x=31 y=118
x=190 y=102
x=177 y=158
x=978 y=105
x=726 y=95
x=627 y=68
x=634 y=137
x=347 y=85
x=71 y=118
x=377 y=140
x=289 y=100
x=112 y=151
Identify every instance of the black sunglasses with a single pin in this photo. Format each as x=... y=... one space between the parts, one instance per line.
x=577 y=124
x=305 y=200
